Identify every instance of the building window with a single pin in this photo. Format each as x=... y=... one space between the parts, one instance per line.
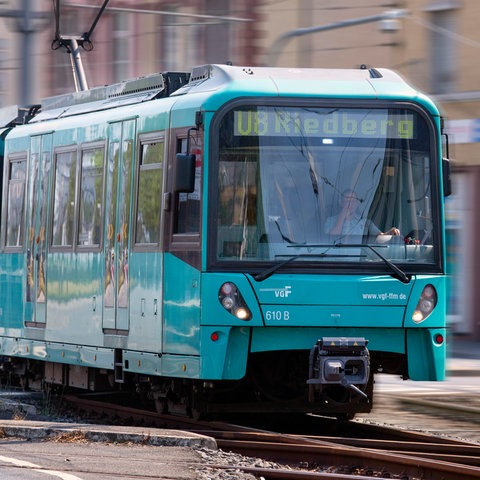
x=170 y=41
x=121 y=50
x=443 y=48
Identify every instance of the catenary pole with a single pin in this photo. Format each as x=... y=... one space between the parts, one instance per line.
x=27 y=22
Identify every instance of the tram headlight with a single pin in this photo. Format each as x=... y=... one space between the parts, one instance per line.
x=242 y=313
x=231 y=299
x=228 y=303
x=426 y=304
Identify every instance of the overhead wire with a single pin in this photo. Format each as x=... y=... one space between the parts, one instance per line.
x=444 y=31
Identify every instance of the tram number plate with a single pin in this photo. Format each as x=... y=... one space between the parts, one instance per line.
x=278 y=315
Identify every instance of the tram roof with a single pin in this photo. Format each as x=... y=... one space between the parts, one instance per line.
x=325 y=81
x=309 y=82
x=220 y=83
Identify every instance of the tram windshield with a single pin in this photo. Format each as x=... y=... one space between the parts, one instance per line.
x=305 y=181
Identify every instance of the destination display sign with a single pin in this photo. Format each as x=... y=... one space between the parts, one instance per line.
x=275 y=121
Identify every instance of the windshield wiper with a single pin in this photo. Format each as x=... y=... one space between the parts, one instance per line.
x=400 y=274
x=259 y=277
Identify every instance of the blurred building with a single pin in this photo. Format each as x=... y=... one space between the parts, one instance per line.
x=134 y=38
x=434 y=44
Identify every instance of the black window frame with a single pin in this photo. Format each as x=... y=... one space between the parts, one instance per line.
x=438 y=266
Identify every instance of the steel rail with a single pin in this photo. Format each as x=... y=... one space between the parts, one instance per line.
x=295 y=448
x=292 y=474
x=466 y=454
x=370 y=459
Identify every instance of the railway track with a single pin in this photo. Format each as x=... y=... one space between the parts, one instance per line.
x=375 y=452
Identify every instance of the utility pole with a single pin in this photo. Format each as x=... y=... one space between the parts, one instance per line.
x=27 y=22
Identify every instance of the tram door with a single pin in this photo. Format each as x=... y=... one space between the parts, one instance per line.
x=120 y=162
x=36 y=281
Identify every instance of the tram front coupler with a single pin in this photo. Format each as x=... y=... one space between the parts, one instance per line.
x=341 y=361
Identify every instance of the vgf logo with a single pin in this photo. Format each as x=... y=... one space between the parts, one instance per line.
x=283 y=292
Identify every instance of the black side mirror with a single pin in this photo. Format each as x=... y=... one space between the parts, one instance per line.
x=185 y=173
x=447 y=181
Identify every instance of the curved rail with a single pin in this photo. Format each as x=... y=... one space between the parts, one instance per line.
x=424 y=456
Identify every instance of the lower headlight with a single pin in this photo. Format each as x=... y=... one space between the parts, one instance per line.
x=231 y=299
x=426 y=304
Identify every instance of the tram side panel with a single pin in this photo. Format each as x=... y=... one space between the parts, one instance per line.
x=13 y=257
x=182 y=239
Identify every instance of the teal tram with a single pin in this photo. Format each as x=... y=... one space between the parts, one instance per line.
x=248 y=239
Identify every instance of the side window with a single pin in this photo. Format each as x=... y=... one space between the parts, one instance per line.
x=17 y=169
x=64 y=199
x=188 y=204
x=149 y=196
x=91 y=197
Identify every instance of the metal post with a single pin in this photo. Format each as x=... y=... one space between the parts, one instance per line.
x=27 y=22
